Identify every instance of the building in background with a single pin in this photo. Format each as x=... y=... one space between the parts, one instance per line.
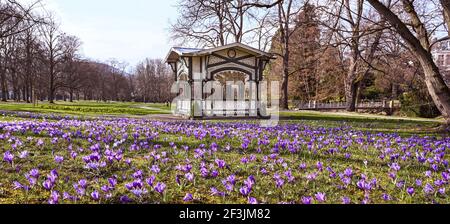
x=441 y=54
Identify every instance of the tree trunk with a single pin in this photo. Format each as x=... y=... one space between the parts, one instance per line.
x=434 y=81
x=437 y=88
x=285 y=92
x=350 y=94
x=3 y=84
x=359 y=88
x=394 y=95
x=351 y=87
x=71 y=96
x=51 y=95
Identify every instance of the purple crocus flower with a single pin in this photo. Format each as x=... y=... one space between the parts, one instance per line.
x=395 y=166
x=73 y=154
x=54 y=198
x=95 y=195
x=245 y=190
x=32 y=180
x=418 y=182
x=279 y=183
x=82 y=183
x=48 y=185
x=228 y=186
x=125 y=199
x=112 y=182
x=289 y=176
x=410 y=191
x=80 y=191
x=160 y=187
x=386 y=197
x=306 y=200
x=137 y=174
x=264 y=171
x=220 y=163
x=34 y=173
x=319 y=166
x=216 y=192
x=18 y=185
x=250 y=181
x=189 y=177
x=59 y=159
x=244 y=160
x=67 y=196
x=214 y=173
x=40 y=142
x=348 y=172
x=321 y=197
x=231 y=179
x=188 y=197
x=346 y=200
x=252 y=201
x=439 y=183
x=105 y=188
x=446 y=176
x=155 y=169
x=23 y=154
x=428 y=189
x=302 y=166
x=400 y=184
x=204 y=172
x=150 y=181
x=8 y=157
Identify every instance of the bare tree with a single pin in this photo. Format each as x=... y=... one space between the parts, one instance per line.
x=417 y=37
x=51 y=37
x=70 y=68
x=153 y=81
x=211 y=23
x=287 y=12
x=17 y=17
x=359 y=32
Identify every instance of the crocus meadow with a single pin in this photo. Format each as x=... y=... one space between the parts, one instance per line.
x=72 y=160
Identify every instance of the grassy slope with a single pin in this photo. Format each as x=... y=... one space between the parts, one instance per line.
x=72 y=169
x=264 y=191
x=88 y=108
x=365 y=122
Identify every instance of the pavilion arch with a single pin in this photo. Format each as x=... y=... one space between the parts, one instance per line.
x=233 y=62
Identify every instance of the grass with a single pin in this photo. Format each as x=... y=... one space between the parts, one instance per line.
x=346 y=124
x=88 y=108
x=364 y=122
x=72 y=170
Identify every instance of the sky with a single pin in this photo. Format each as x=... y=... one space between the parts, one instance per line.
x=126 y=30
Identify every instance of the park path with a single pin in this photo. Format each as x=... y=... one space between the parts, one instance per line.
x=165 y=117
x=155 y=109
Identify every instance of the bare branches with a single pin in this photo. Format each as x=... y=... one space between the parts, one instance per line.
x=219 y=22
x=16 y=18
x=258 y=4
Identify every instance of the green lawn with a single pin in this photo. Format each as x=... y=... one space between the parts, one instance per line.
x=88 y=108
x=364 y=122
x=143 y=143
